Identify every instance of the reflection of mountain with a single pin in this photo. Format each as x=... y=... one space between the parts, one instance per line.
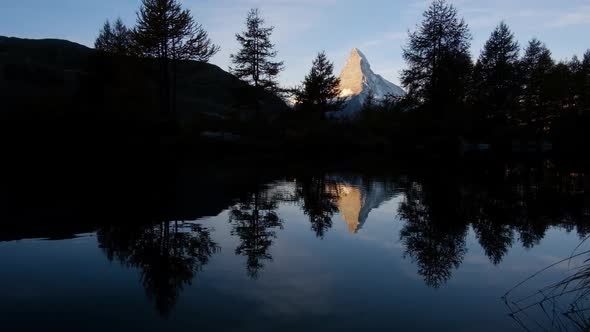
x=356 y=198
x=349 y=205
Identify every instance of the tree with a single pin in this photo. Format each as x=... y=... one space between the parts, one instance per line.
x=495 y=238
x=496 y=76
x=576 y=84
x=536 y=66
x=254 y=219
x=584 y=87
x=253 y=62
x=369 y=104
x=434 y=243
x=166 y=31
x=168 y=256
x=320 y=90
x=169 y=33
x=115 y=39
x=438 y=59
x=317 y=202
x=560 y=88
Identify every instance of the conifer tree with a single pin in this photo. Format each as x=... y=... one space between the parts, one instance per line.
x=369 y=103
x=438 y=59
x=584 y=87
x=536 y=67
x=320 y=90
x=496 y=82
x=560 y=88
x=577 y=81
x=169 y=33
x=166 y=31
x=254 y=63
x=115 y=39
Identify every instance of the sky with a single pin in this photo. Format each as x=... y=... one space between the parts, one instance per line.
x=379 y=28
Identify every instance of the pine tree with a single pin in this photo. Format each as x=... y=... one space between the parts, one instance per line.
x=439 y=60
x=369 y=104
x=166 y=31
x=105 y=38
x=584 y=90
x=576 y=83
x=536 y=66
x=169 y=33
x=559 y=88
x=496 y=76
x=115 y=39
x=320 y=90
x=253 y=62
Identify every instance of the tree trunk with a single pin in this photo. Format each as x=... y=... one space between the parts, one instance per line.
x=174 y=113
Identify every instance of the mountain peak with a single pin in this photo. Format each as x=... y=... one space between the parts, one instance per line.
x=353 y=74
x=357 y=79
x=356 y=53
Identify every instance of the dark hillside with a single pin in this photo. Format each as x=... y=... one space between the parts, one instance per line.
x=59 y=99
x=50 y=67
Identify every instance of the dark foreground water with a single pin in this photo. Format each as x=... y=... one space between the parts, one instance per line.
x=307 y=251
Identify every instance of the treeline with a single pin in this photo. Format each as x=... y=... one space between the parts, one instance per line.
x=511 y=96
x=501 y=89
x=165 y=32
x=511 y=93
x=168 y=33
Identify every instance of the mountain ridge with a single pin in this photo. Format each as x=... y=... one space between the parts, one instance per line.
x=30 y=68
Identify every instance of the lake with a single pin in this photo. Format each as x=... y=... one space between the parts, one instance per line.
x=258 y=247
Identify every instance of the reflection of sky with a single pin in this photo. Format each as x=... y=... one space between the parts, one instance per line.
x=345 y=281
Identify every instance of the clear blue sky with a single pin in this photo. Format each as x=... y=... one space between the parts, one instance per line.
x=304 y=27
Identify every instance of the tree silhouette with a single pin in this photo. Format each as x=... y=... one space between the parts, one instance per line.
x=369 y=104
x=168 y=256
x=254 y=220
x=561 y=87
x=254 y=63
x=431 y=239
x=495 y=238
x=577 y=83
x=115 y=39
x=320 y=90
x=584 y=87
x=317 y=202
x=497 y=77
x=536 y=66
x=438 y=59
x=169 y=33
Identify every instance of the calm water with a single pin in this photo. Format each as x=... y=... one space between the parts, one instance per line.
x=292 y=251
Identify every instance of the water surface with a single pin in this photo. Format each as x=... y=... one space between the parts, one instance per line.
x=288 y=250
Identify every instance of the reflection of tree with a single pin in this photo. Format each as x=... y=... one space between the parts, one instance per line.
x=168 y=255
x=498 y=203
x=253 y=220
x=435 y=243
x=317 y=202
x=531 y=233
x=495 y=239
x=489 y=215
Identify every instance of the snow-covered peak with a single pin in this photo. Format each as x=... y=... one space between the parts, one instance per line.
x=357 y=79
